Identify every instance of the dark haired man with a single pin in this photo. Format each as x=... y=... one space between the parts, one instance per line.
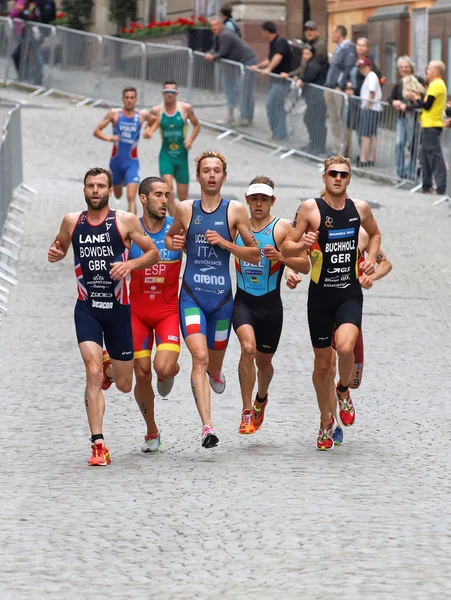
x=279 y=61
x=329 y=226
x=155 y=311
x=124 y=163
x=257 y=309
x=101 y=239
x=206 y=228
x=172 y=118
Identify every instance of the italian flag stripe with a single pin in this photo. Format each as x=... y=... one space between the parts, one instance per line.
x=192 y=320
x=221 y=333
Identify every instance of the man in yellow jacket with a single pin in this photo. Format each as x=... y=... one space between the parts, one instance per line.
x=432 y=111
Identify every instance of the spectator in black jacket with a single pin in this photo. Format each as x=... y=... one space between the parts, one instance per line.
x=315 y=115
x=407 y=122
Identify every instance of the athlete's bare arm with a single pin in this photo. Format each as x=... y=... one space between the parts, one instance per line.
x=131 y=231
x=384 y=265
x=368 y=222
x=299 y=264
x=61 y=244
x=175 y=239
x=191 y=117
x=238 y=222
x=153 y=124
x=303 y=232
x=147 y=117
x=110 y=117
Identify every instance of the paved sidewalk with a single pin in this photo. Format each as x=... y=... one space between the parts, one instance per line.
x=266 y=517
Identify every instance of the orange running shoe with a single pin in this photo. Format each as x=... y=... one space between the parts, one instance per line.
x=107 y=381
x=247 y=423
x=100 y=456
x=259 y=412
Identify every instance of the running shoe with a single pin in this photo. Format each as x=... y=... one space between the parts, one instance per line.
x=338 y=436
x=217 y=383
x=209 y=437
x=107 y=381
x=100 y=456
x=325 y=436
x=259 y=412
x=346 y=413
x=151 y=443
x=164 y=387
x=247 y=423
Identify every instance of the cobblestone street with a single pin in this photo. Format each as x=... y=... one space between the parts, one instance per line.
x=266 y=517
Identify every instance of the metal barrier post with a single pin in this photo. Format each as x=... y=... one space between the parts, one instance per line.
x=6 y=46
x=123 y=64
x=166 y=62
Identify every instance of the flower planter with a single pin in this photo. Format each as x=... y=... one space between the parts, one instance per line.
x=200 y=39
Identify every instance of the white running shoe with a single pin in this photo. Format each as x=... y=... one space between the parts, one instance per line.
x=151 y=444
x=218 y=383
x=209 y=437
x=164 y=387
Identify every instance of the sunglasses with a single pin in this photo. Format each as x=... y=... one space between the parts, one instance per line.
x=169 y=91
x=341 y=174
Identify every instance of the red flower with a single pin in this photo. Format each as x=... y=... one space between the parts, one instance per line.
x=60 y=15
x=123 y=30
x=131 y=30
x=138 y=26
x=150 y=26
x=190 y=23
x=202 y=20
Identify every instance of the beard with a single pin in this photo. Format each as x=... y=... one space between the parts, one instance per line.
x=103 y=201
x=154 y=214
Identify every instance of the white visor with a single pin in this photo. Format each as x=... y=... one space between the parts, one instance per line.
x=260 y=188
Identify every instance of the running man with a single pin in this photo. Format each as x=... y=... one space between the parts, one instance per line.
x=172 y=118
x=257 y=310
x=206 y=227
x=101 y=238
x=155 y=309
x=366 y=281
x=124 y=163
x=330 y=226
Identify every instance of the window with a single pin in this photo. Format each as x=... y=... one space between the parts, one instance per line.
x=391 y=57
x=375 y=54
x=435 y=49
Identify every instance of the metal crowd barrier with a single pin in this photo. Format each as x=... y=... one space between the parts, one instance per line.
x=10 y=157
x=311 y=120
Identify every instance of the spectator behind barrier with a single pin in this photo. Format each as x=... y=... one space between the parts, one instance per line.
x=278 y=61
x=229 y=46
x=316 y=113
x=371 y=96
x=432 y=110
x=363 y=51
x=229 y=21
x=407 y=134
x=319 y=47
x=338 y=75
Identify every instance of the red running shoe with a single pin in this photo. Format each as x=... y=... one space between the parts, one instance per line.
x=325 y=439
x=100 y=456
x=346 y=412
x=107 y=381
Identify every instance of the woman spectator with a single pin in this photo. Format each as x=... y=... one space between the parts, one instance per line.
x=315 y=114
x=370 y=96
x=228 y=20
x=363 y=51
x=407 y=122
